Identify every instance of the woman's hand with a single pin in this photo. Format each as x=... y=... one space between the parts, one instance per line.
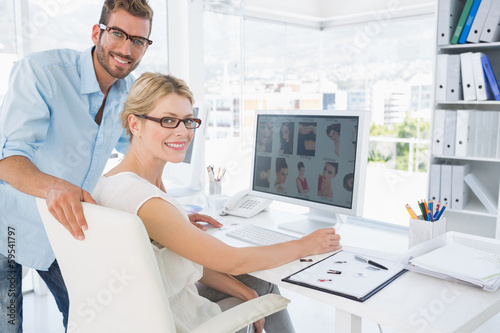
x=195 y=218
x=259 y=325
x=322 y=241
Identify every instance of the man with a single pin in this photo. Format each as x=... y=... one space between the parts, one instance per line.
x=58 y=125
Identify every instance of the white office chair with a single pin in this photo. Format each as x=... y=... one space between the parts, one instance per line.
x=114 y=283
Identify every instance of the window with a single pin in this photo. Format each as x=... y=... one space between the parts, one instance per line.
x=72 y=21
x=386 y=67
x=381 y=66
x=8 y=44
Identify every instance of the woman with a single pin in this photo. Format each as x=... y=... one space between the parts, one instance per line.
x=158 y=117
x=286 y=138
x=265 y=137
x=325 y=179
x=281 y=174
x=333 y=132
x=301 y=179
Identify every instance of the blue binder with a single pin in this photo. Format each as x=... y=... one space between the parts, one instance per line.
x=468 y=23
x=490 y=77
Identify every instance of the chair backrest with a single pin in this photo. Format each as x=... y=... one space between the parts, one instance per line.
x=112 y=277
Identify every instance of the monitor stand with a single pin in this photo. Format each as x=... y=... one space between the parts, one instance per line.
x=314 y=220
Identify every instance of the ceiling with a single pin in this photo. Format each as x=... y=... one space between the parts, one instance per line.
x=331 y=12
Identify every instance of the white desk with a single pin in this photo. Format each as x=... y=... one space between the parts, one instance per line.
x=412 y=303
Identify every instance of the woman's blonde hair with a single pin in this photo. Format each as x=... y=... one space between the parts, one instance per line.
x=147 y=90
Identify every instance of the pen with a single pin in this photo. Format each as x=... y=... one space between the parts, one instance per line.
x=370 y=262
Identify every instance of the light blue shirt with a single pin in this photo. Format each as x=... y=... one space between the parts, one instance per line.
x=48 y=116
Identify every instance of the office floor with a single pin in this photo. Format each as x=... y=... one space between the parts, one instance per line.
x=42 y=316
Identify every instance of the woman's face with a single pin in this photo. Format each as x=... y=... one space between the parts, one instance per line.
x=285 y=132
x=302 y=171
x=329 y=171
x=281 y=175
x=334 y=135
x=168 y=144
x=265 y=130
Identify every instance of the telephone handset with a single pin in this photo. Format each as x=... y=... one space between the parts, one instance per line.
x=244 y=205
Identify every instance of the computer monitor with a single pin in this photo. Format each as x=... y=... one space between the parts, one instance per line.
x=186 y=178
x=315 y=159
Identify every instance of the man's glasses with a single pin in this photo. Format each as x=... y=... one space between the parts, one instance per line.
x=116 y=37
x=169 y=122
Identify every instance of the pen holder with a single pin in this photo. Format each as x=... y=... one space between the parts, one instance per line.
x=214 y=188
x=421 y=230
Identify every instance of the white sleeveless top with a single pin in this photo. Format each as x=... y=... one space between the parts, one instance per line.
x=128 y=192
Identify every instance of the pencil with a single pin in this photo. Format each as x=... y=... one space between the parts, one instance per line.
x=411 y=212
x=441 y=212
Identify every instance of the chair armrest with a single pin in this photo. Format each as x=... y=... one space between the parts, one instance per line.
x=240 y=316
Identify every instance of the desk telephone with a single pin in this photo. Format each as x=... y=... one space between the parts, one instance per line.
x=244 y=205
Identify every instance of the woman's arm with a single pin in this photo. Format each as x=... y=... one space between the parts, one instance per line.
x=228 y=285
x=171 y=228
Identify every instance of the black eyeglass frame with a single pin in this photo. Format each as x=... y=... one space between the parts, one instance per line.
x=132 y=38
x=179 y=120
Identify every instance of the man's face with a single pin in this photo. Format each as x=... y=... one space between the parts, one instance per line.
x=120 y=61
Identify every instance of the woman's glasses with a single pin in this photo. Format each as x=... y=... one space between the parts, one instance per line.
x=170 y=122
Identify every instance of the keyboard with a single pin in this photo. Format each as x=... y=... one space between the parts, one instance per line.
x=259 y=236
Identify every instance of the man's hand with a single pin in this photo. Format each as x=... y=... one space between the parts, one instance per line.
x=64 y=203
x=203 y=218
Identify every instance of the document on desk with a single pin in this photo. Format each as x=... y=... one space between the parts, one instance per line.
x=343 y=275
x=462 y=262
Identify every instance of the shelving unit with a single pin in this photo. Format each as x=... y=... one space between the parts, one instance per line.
x=474 y=218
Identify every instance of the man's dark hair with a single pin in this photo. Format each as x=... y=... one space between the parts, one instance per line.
x=137 y=8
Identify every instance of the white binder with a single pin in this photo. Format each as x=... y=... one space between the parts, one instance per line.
x=482 y=91
x=471 y=144
x=479 y=21
x=478 y=133
x=448 y=14
x=494 y=134
x=459 y=191
x=491 y=31
x=462 y=133
x=498 y=140
x=435 y=182
x=468 y=86
x=438 y=132
x=441 y=76
x=445 y=189
x=450 y=124
x=481 y=193
x=485 y=131
x=453 y=79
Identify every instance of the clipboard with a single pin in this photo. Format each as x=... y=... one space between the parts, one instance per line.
x=342 y=275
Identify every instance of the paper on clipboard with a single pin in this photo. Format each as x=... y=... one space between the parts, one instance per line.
x=341 y=274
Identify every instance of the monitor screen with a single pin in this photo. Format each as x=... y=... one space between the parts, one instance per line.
x=312 y=158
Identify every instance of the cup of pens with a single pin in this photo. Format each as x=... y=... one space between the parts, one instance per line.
x=428 y=225
x=215 y=180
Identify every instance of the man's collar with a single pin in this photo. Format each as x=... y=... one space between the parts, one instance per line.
x=89 y=79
